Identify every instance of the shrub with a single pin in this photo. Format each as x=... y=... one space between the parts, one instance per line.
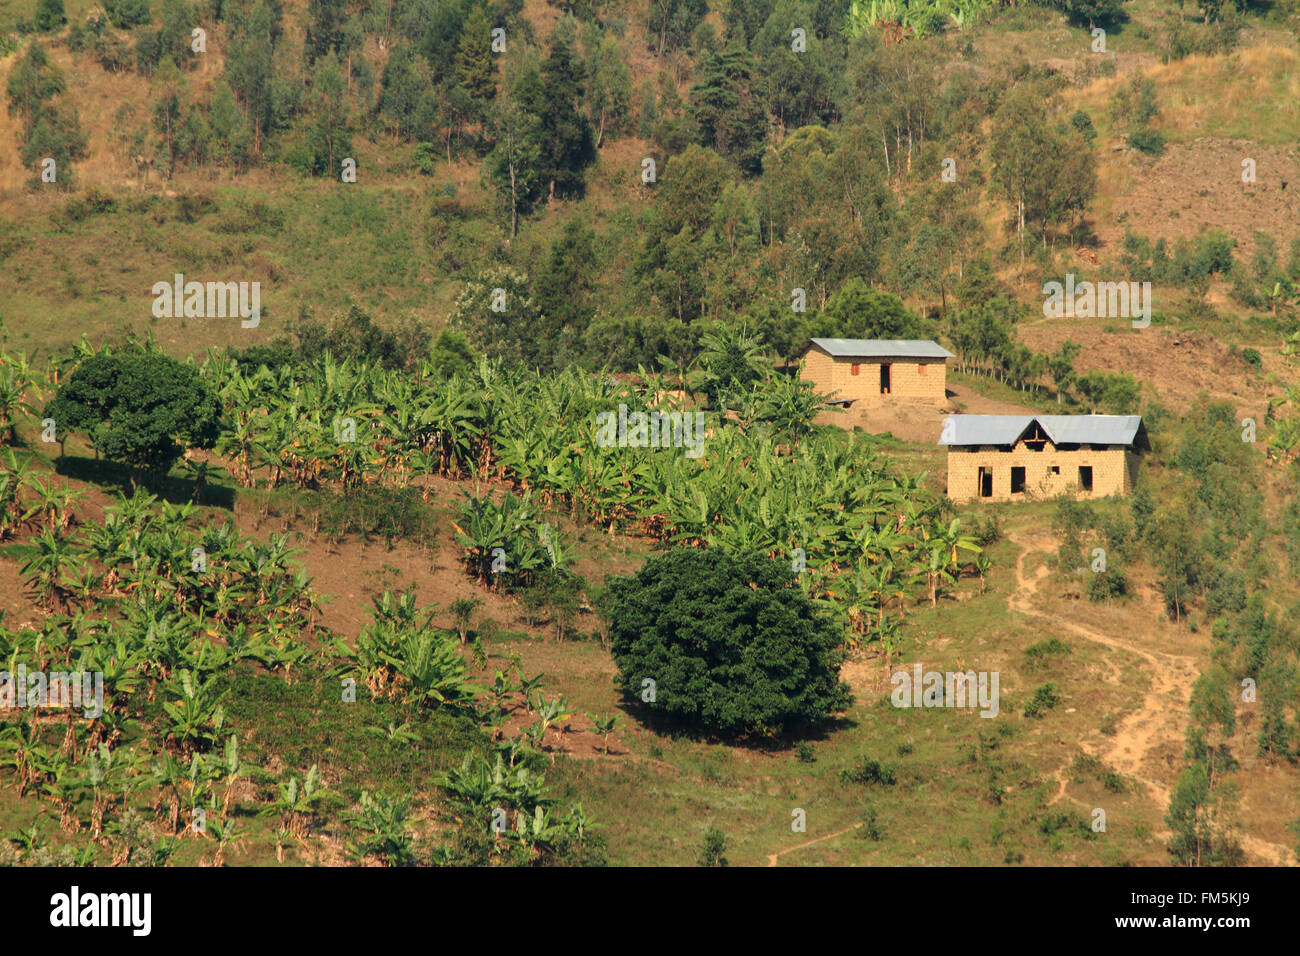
x=1148 y=141
x=1036 y=654
x=125 y=14
x=731 y=642
x=49 y=15
x=1044 y=699
x=714 y=848
x=869 y=772
x=1107 y=585
x=870 y=829
x=1251 y=357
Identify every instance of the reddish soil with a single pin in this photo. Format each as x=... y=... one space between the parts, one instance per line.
x=917 y=421
x=1198 y=187
x=1174 y=367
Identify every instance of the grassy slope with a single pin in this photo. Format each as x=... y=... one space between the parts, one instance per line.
x=654 y=795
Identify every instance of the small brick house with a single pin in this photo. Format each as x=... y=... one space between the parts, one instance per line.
x=877 y=371
x=1013 y=457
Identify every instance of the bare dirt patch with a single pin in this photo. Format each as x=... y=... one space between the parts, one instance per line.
x=1175 y=366
x=1197 y=187
x=917 y=421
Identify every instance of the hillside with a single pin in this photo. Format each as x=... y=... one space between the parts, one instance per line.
x=394 y=474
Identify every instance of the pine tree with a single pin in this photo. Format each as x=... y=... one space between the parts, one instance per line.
x=730 y=118
x=565 y=142
x=475 y=64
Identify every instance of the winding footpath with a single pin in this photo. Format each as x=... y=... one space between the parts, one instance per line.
x=1158 y=721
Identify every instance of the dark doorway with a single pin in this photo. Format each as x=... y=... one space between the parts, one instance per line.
x=884 y=378
x=986 y=482
x=1085 y=477
x=1017 y=480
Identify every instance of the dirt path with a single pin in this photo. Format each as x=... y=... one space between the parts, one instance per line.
x=1162 y=715
x=773 y=857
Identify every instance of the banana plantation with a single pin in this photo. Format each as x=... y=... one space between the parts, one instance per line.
x=167 y=599
x=866 y=538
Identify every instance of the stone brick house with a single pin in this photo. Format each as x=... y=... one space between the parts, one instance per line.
x=1014 y=457
x=877 y=371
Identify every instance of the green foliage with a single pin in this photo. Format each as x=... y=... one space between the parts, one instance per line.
x=1082 y=122
x=1043 y=167
x=1036 y=655
x=726 y=112
x=1093 y=12
x=1151 y=142
x=713 y=849
x=49 y=15
x=355 y=336
x=1044 y=699
x=382 y=821
x=731 y=644
x=868 y=772
x=1197 y=835
x=1108 y=585
x=125 y=14
x=140 y=408
x=857 y=311
x=671 y=23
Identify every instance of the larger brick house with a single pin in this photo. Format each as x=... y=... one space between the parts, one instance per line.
x=1011 y=457
x=877 y=371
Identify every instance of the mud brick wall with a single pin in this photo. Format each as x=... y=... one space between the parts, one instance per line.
x=907 y=380
x=1114 y=471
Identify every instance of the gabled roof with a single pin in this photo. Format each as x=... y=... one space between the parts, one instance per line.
x=1061 y=429
x=883 y=348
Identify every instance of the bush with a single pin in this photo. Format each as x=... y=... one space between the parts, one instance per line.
x=125 y=14
x=1036 y=654
x=868 y=772
x=1148 y=141
x=1107 y=585
x=390 y=513
x=1044 y=699
x=1251 y=357
x=1082 y=122
x=731 y=642
x=714 y=848
x=49 y=15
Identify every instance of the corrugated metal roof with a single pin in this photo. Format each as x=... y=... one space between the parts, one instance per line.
x=886 y=348
x=1061 y=429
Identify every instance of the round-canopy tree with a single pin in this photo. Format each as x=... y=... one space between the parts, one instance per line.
x=140 y=408
x=731 y=643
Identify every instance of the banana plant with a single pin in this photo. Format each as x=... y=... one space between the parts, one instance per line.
x=197 y=714
x=604 y=725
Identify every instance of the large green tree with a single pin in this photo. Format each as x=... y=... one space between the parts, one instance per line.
x=564 y=140
x=140 y=408
x=730 y=643
x=729 y=115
